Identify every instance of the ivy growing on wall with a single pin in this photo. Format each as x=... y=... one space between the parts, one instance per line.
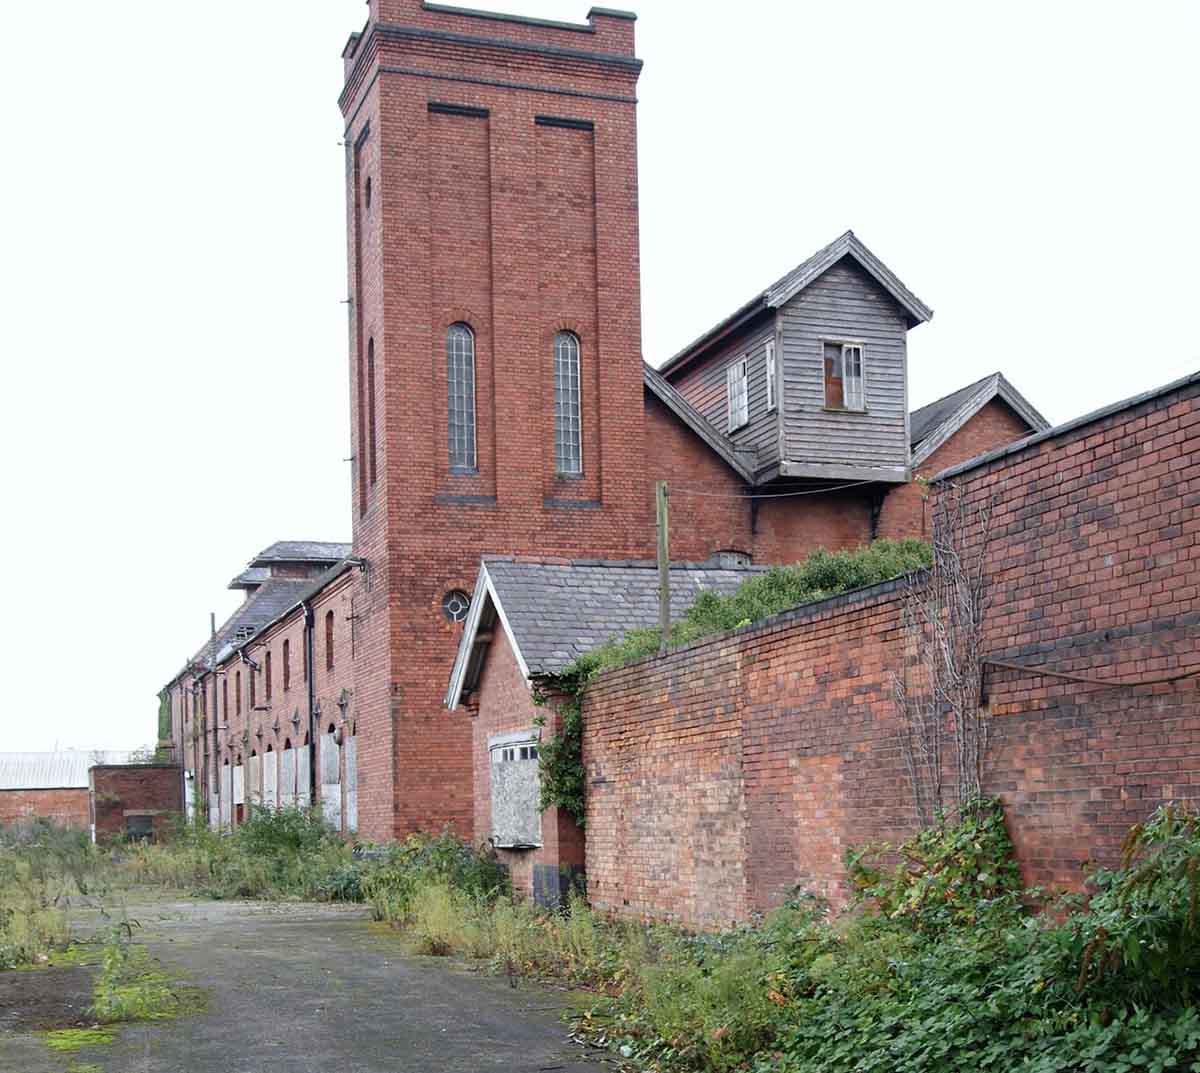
x=164 y=716
x=821 y=575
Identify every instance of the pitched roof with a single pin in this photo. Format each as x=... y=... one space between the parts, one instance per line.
x=250 y=577
x=805 y=273
x=553 y=612
x=933 y=424
x=1182 y=383
x=696 y=421
x=62 y=769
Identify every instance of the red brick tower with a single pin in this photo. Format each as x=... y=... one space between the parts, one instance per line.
x=495 y=348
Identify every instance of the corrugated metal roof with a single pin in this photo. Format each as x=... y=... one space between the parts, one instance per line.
x=64 y=769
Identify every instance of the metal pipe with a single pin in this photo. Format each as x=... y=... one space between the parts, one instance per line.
x=310 y=653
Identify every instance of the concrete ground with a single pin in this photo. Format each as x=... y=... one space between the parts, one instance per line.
x=299 y=988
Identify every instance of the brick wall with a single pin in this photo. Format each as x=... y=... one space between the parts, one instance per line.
x=278 y=717
x=68 y=807
x=725 y=773
x=119 y=792
x=905 y=510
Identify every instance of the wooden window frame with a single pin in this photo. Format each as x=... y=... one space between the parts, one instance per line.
x=772 y=372
x=737 y=390
x=845 y=345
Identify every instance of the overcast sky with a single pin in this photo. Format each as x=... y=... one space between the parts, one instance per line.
x=173 y=261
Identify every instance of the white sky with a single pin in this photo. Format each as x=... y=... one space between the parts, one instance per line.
x=173 y=259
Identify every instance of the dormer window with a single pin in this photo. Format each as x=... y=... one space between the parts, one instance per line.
x=737 y=394
x=844 y=376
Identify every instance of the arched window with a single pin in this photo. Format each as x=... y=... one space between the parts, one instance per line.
x=371 y=453
x=568 y=439
x=460 y=396
x=287 y=664
x=253 y=690
x=267 y=674
x=237 y=690
x=225 y=696
x=329 y=640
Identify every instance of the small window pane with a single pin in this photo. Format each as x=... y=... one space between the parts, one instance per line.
x=568 y=446
x=460 y=386
x=852 y=364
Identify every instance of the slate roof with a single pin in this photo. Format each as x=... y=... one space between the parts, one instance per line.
x=250 y=577
x=556 y=611
x=933 y=424
x=62 y=769
x=301 y=551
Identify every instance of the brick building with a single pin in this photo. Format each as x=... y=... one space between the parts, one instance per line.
x=501 y=406
x=105 y=791
x=727 y=773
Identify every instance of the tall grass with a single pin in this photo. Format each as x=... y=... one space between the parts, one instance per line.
x=276 y=853
x=42 y=867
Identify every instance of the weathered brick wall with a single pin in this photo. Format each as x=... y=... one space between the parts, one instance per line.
x=68 y=807
x=727 y=772
x=905 y=511
x=481 y=214
x=503 y=704
x=119 y=792
x=278 y=717
x=1094 y=567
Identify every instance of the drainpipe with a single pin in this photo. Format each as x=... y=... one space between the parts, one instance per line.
x=310 y=654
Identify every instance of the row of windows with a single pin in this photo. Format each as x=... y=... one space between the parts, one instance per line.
x=460 y=408
x=266 y=671
x=843 y=380
x=460 y=402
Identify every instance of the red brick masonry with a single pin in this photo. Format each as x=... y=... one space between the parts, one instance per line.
x=119 y=792
x=68 y=807
x=726 y=773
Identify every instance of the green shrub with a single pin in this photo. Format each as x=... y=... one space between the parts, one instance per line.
x=946 y=874
x=422 y=860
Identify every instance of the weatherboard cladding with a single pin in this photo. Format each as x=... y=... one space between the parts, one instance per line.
x=703 y=385
x=559 y=611
x=845 y=304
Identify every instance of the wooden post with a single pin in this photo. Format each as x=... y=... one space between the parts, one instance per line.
x=664 y=567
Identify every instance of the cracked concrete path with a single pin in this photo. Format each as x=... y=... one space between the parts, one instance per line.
x=300 y=988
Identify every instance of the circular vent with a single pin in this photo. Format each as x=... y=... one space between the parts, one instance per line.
x=455 y=604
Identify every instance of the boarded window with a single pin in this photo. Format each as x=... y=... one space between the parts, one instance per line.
x=844 y=376
x=516 y=818
x=568 y=428
x=460 y=396
x=331 y=783
x=737 y=396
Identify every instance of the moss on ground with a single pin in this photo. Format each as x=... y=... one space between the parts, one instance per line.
x=72 y=1040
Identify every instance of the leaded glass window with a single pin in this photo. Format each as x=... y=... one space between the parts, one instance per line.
x=460 y=387
x=568 y=445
